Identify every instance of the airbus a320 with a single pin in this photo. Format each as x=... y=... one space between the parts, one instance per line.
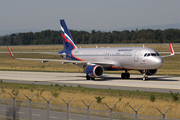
x=95 y=61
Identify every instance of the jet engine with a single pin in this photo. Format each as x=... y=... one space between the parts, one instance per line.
x=94 y=70
x=149 y=72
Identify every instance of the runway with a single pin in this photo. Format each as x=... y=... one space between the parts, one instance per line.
x=156 y=83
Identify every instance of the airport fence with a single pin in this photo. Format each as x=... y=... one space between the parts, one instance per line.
x=28 y=110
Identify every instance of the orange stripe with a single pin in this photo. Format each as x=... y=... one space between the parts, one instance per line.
x=94 y=71
x=76 y=57
x=129 y=68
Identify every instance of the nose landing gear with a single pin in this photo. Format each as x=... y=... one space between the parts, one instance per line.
x=145 y=77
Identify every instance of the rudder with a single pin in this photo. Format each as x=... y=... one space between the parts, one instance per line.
x=67 y=39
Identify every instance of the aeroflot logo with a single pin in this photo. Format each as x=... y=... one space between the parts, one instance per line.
x=125 y=49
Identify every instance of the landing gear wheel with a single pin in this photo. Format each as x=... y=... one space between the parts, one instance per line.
x=92 y=78
x=145 y=77
x=125 y=75
x=88 y=77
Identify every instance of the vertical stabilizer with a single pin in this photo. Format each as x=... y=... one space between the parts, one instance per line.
x=67 y=39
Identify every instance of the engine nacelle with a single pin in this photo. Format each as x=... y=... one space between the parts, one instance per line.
x=149 y=72
x=94 y=70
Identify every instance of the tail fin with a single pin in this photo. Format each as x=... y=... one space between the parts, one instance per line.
x=67 y=39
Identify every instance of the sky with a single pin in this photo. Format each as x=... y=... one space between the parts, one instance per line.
x=86 y=14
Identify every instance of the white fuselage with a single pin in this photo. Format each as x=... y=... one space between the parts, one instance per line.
x=122 y=57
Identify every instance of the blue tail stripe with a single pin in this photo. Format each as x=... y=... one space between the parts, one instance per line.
x=67 y=38
x=63 y=24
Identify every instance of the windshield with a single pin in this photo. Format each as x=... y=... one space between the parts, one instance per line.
x=151 y=54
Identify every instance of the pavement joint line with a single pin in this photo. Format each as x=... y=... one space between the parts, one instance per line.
x=5 y=110
x=20 y=112
x=36 y=115
x=53 y=117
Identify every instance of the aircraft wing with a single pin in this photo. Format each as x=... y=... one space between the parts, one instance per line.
x=172 y=51
x=63 y=61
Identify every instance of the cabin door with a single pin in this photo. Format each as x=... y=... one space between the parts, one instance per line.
x=136 y=55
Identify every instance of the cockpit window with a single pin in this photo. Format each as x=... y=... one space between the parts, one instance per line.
x=151 y=54
x=157 y=54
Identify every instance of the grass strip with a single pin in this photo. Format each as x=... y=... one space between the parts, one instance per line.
x=124 y=98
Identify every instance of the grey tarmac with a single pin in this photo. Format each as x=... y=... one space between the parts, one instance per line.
x=156 y=83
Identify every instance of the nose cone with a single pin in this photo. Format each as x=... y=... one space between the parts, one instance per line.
x=157 y=62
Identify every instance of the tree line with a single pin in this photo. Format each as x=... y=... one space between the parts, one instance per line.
x=94 y=37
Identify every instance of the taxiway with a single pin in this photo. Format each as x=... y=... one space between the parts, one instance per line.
x=156 y=83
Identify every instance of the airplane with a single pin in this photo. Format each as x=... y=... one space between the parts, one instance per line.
x=95 y=61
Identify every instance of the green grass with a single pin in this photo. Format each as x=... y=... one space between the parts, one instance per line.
x=124 y=98
x=104 y=92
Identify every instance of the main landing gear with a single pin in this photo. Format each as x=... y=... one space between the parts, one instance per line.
x=145 y=77
x=89 y=78
x=125 y=75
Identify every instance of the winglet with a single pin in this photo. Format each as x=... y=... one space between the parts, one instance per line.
x=171 y=48
x=172 y=51
x=10 y=52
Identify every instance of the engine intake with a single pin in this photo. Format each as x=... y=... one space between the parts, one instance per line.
x=94 y=70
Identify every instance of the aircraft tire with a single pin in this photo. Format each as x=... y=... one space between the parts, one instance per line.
x=92 y=78
x=127 y=75
x=123 y=75
x=88 y=77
